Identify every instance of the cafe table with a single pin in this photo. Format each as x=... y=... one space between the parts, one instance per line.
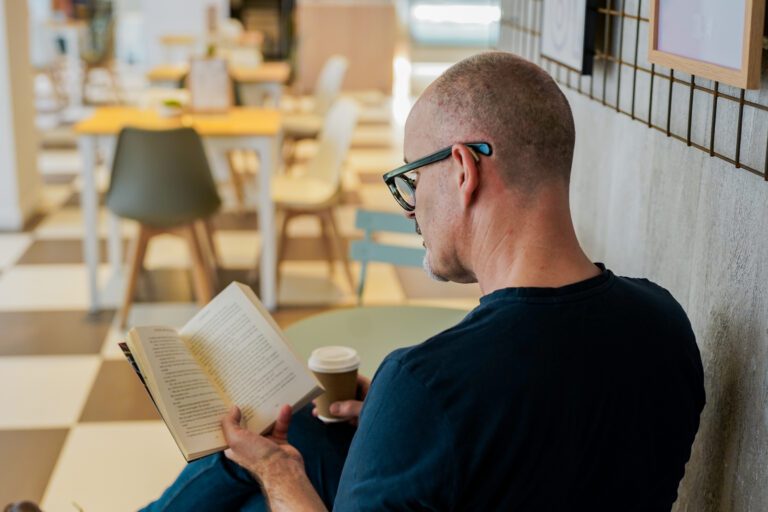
x=268 y=77
x=256 y=129
x=374 y=331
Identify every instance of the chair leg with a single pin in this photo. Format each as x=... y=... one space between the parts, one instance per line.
x=208 y=227
x=116 y=89
x=200 y=275
x=361 y=284
x=237 y=183
x=207 y=245
x=282 y=244
x=340 y=246
x=289 y=153
x=325 y=235
x=137 y=261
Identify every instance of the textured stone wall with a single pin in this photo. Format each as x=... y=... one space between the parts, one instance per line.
x=648 y=205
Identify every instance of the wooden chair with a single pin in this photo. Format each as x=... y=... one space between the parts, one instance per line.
x=318 y=190
x=162 y=180
x=102 y=58
x=369 y=249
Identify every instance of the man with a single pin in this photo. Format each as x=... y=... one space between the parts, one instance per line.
x=567 y=388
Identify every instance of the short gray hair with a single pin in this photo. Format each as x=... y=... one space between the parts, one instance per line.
x=517 y=107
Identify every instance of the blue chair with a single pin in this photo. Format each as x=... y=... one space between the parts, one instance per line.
x=368 y=249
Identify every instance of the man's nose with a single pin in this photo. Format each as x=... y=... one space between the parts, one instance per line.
x=410 y=215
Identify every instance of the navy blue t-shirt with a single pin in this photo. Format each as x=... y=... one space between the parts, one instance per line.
x=584 y=397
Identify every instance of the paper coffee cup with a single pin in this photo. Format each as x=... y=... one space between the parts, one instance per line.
x=336 y=369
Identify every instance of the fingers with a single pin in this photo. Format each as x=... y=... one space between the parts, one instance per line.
x=346 y=408
x=363 y=385
x=230 y=424
x=280 y=430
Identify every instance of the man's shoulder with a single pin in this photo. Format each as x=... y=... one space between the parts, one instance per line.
x=511 y=326
x=641 y=297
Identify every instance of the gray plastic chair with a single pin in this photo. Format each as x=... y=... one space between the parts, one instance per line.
x=162 y=180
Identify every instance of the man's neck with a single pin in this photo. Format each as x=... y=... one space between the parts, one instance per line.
x=539 y=250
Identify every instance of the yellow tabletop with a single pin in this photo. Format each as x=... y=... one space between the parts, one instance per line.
x=167 y=73
x=276 y=72
x=268 y=72
x=178 y=39
x=238 y=121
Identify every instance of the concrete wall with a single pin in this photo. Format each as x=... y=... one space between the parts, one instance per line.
x=648 y=205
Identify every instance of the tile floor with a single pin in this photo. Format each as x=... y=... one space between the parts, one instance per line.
x=77 y=429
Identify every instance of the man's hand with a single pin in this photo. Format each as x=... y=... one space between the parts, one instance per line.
x=276 y=464
x=254 y=452
x=350 y=408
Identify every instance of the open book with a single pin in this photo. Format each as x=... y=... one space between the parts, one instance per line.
x=231 y=352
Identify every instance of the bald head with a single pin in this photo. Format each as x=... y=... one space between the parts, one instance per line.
x=513 y=104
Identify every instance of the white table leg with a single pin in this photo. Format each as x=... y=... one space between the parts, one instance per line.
x=115 y=241
x=270 y=164
x=89 y=200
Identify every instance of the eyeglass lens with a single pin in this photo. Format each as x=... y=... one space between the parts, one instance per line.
x=405 y=190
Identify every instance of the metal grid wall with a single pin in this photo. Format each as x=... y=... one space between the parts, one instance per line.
x=723 y=121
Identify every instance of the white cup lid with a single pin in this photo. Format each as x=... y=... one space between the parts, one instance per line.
x=333 y=359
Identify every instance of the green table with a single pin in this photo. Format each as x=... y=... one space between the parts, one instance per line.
x=374 y=331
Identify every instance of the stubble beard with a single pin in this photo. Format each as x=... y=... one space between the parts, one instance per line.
x=431 y=273
x=426 y=264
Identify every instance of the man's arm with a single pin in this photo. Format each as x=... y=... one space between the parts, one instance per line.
x=404 y=455
x=277 y=465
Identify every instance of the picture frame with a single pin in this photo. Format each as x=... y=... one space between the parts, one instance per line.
x=568 y=33
x=210 y=86
x=720 y=41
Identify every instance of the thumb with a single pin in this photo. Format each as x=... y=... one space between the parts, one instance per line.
x=283 y=423
x=230 y=423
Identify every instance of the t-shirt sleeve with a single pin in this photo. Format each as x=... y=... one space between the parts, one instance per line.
x=401 y=455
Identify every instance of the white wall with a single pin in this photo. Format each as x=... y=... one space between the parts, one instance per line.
x=20 y=182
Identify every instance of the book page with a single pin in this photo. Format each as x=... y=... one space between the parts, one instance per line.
x=247 y=357
x=188 y=400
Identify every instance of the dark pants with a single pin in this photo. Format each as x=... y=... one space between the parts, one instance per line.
x=216 y=483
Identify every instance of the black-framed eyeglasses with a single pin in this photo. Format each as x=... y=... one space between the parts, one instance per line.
x=403 y=188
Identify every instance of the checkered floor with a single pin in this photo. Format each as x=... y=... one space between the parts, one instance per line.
x=76 y=428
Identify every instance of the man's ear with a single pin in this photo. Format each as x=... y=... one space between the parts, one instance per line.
x=468 y=177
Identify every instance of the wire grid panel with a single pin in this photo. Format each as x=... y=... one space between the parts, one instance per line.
x=721 y=120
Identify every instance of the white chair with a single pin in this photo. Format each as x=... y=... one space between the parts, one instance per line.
x=229 y=30
x=317 y=190
x=307 y=125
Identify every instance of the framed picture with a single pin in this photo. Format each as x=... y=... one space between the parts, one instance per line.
x=568 y=33
x=210 y=87
x=715 y=39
